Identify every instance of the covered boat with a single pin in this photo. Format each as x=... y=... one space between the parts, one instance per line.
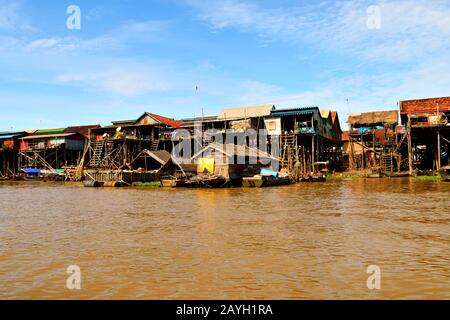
x=267 y=178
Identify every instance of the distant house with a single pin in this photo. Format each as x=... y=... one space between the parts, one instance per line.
x=427 y=124
x=232 y=161
x=308 y=136
x=9 y=148
x=372 y=141
x=53 y=148
x=117 y=146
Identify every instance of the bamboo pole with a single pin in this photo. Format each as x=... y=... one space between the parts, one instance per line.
x=410 y=152
x=438 y=150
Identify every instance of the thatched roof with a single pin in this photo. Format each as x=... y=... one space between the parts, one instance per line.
x=385 y=117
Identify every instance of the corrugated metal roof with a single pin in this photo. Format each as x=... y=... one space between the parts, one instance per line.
x=325 y=113
x=231 y=150
x=44 y=136
x=83 y=130
x=295 y=111
x=162 y=156
x=9 y=135
x=48 y=131
x=126 y=122
x=246 y=112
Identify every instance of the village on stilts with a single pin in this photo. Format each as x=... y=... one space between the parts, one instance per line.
x=284 y=146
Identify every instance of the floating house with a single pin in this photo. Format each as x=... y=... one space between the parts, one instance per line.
x=427 y=123
x=373 y=142
x=232 y=162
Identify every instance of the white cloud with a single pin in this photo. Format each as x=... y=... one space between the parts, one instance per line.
x=409 y=28
x=43 y=43
x=130 y=32
x=10 y=18
x=130 y=83
x=70 y=77
x=127 y=83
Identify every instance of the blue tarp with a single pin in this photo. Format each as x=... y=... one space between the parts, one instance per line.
x=32 y=172
x=265 y=171
x=367 y=129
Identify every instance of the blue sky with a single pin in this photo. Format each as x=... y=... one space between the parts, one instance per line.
x=135 y=56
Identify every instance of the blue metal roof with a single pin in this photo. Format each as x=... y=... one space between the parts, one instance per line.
x=9 y=135
x=295 y=111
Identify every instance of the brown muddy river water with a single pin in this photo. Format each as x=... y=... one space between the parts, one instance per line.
x=306 y=241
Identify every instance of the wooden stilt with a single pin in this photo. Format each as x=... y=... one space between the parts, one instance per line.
x=438 y=158
x=410 y=151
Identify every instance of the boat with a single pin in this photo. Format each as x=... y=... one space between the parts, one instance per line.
x=169 y=183
x=374 y=175
x=313 y=178
x=179 y=183
x=259 y=181
x=318 y=178
x=210 y=180
x=397 y=174
x=93 y=184
x=445 y=173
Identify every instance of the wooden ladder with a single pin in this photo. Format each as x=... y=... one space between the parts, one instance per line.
x=97 y=153
x=387 y=162
x=288 y=153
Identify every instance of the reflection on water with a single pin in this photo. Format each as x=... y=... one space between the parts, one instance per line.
x=296 y=242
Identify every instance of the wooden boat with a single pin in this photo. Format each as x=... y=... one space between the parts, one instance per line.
x=114 y=184
x=374 y=175
x=93 y=184
x=179 y=183
x=260 y=181
x=315 y=178
x=169 y=183
x=397 y=174
x=445 y=173
x=210 y=181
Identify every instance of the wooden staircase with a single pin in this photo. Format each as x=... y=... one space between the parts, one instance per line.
x=97 y=153
x=155 y=144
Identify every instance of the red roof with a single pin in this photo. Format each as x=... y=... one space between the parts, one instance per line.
x=333 y=115
x=345 y=136
x=168 y=121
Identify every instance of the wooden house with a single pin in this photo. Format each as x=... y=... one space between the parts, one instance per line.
x=427 y=124
x=231 y=161
x=9 y=148
x=53 y=149
x=372 y=141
